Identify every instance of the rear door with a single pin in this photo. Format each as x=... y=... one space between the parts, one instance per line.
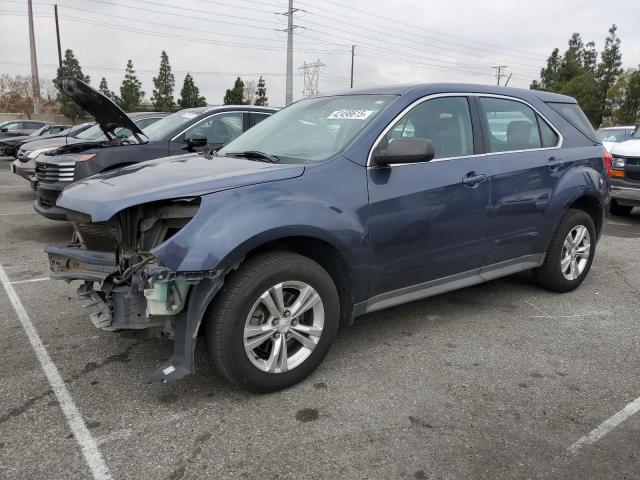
x=525 y=163
x=429 y=220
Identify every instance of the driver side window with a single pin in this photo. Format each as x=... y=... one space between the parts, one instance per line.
x=219 y=129
x=445 y=121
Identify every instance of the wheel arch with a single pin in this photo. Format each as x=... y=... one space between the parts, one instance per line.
x=590 y=204
x=323 y=251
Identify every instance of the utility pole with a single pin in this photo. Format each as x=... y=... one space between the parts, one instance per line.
x=499 y=69
x=55 y=10
x=35 y=81
x=507 y=82
x=289 y=82
x=353 y=54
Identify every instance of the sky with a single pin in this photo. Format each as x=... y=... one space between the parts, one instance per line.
x=402 y=41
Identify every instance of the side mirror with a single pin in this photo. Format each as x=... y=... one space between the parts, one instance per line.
x=3 y=130
x=196 y=141
x=405 y=150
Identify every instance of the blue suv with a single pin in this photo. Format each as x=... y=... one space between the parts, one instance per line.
x=334 y=207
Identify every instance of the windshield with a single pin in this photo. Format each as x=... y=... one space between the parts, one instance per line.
x=38 y=132
x=636 y=132
x=313 y=129
x=91 y=133
x=614 y=135
x=165 y=127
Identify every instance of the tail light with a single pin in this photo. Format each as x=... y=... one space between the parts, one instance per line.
x=608 y=162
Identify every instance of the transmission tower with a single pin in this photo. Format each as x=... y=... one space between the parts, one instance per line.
x=311 y=75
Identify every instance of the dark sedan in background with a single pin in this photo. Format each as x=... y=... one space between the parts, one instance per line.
x=17 y=128
x=10 y=145
x=189 y=130
x=26 y=163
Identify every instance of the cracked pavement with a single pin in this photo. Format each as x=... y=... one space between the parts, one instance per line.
x=494 y=381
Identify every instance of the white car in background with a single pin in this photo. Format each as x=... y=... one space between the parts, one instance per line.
x=612 y=135
x=625 y=175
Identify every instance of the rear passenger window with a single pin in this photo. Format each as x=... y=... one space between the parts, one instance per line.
x=548 y=135
x=512 y=125
x=445 y=121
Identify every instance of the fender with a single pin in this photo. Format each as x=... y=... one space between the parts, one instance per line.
x=584 y=180
x=231 y=223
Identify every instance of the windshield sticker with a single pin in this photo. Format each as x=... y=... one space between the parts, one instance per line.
x=350 y=115
x=189 y=115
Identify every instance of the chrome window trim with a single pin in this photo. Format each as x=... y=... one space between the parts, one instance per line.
x=213 y=115
x=417 y=102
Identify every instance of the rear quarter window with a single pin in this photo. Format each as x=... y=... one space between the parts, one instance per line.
x=573 y=114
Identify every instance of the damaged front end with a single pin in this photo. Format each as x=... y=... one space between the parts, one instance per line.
x=126 y=287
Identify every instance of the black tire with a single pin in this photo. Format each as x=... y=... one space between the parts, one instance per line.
x=225 y=321
x=620 y=210
x=550 y=275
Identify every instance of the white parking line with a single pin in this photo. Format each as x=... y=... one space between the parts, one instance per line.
x=30 y=280
x=87 y=443
x=606 y=426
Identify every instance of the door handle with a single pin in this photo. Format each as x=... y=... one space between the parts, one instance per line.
x=473 y=179
x=555 y=162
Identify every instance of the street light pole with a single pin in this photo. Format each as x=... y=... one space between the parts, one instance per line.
x=35 y=81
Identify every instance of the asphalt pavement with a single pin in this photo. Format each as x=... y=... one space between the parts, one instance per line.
x=495 y=381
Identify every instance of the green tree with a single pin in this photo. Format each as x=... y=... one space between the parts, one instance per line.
x=70 y=68
x=131 y=94
x=235 y=95
x=585 y=90
x=190 y=94
x=572 y=62
x=261 y=93
x=104 y=89
x=162 y=98
x=578 y=73
x=549 y=74
x=623 y=99
x=609 y=69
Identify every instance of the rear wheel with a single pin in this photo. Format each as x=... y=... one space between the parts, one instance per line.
x=570 y=253
x=620 y=210
x=273 y=322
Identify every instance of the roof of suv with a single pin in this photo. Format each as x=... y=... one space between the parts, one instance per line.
x=433 y=88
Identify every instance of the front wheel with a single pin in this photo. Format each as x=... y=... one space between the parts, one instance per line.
x=570 y=253
x=273 y=322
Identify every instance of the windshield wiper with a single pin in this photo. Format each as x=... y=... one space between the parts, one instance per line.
x=254 y=154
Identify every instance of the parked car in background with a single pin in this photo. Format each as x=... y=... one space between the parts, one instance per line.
x=28 y=153
x=334 y=207
x=10 y=145
x=612 y=135
x=18 y=128
x=625 y=176
x=189 y=130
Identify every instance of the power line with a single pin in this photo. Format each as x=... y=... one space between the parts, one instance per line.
x=532 y=55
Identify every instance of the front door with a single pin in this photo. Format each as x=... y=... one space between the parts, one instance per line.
x=429 y=221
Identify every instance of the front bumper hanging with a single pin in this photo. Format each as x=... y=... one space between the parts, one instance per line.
x=154 y=296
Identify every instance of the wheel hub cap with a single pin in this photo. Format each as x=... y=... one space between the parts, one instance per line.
x=283 y=327
x=575 y=252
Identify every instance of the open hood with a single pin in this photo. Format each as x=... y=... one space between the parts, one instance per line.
x=191 y=175
x=108 y=115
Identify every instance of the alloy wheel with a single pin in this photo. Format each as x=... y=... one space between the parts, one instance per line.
x=283 y=327
x=575 y=252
